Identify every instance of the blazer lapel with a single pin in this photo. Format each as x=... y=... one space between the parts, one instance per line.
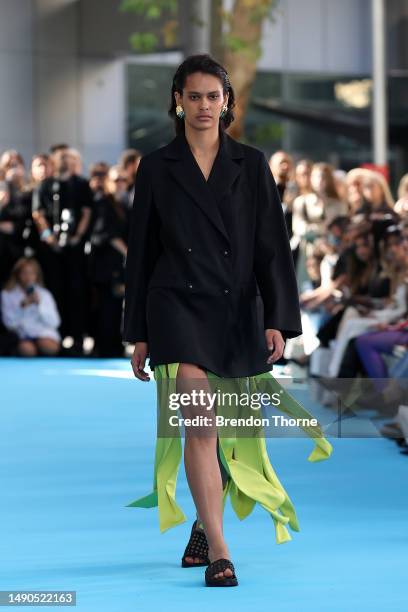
x=225 y=170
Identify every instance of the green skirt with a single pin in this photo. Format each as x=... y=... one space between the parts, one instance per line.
x=252 y=478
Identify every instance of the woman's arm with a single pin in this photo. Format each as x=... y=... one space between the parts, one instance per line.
x=144 y=248
x=397 y=310
x=273 y=261
x=12 y=313
x=48 y=310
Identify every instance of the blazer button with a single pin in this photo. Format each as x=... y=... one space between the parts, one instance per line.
x=226 y=253
x=226 y=290
x=189 y=249
x=190 y=286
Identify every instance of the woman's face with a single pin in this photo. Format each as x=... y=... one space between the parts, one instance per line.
x=39 y=169
x=202 y=100
x=302 y=175
x=317 y=180
x=354 y=192
x=28 y=275
x=372 y=192
x=398 y=249
x=363 y=250
x=117 y=182
x=15 y=172
x=401 y=207
x=97 y=182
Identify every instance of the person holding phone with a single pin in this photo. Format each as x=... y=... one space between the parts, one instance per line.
x=29 y=309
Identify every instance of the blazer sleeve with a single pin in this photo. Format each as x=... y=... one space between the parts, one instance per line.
x=273 y=261
x=144 y=248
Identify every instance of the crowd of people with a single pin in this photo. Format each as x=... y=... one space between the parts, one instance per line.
x=63 y=244
x=349 y=240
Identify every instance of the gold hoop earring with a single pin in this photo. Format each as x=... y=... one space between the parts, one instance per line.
x=179 y=111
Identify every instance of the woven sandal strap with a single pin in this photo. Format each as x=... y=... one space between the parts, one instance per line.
x=218 y=566
x=197 y=545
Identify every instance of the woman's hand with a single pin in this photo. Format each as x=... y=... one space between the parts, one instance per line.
x=138 y=360
x=275 y=343
x=381 y=326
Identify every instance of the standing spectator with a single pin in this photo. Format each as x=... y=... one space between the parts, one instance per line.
x=330 y=204
x=41 y=169
x=354 y=183
x=281 y=165
x=62 y=220
x=108 y=240
x=29 y=310
x=377 y=196
x=13 y=212
x=129 y=163
x=378 y=207
x=303 y=172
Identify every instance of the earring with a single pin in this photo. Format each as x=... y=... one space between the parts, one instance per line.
x=179 y=111
x=223 y=111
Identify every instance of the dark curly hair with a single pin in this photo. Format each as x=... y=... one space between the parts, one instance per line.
x=201 y=63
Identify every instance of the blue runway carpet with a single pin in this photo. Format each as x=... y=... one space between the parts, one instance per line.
x=77 y=440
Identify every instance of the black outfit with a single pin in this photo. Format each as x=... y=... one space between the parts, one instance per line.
x=376 y=286
x=196 y=291
x=379 y=226
x=286 y=213
x=12 y=244
x=106 y=275
x=62 y=202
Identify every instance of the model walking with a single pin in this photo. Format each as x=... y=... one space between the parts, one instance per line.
x=207 y=231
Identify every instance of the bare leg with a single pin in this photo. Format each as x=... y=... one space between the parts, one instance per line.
x=48 y=346
x=201 y=463
x=225 y=478
x=27 y=348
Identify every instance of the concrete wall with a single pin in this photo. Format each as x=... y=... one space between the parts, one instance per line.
x=80 y=98
x=329 y=36
x=16 y=76
x=52 y=92
x=62 y=63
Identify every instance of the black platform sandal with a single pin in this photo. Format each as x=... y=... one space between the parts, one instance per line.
x=216 y=567
x=197 y=548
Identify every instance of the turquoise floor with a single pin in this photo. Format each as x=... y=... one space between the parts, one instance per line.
x=77 y=442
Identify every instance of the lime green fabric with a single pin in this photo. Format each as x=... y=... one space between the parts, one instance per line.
x=252 y=478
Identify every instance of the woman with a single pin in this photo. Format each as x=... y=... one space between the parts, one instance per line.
x=41 y=169
x=13 y=211
x=29 y=309
x=207 y=227
x=354 y=185
x=324 y=185
x=401 y=206
x=303 y=171
x=366 y=315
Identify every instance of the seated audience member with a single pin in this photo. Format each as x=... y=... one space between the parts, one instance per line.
x=29 y=309
x=362 y=317
x=371 y=348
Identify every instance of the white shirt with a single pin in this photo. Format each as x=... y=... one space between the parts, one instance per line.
x=396 y=310
x=35 y=320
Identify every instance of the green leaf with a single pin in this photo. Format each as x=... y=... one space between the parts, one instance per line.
x=143 y=42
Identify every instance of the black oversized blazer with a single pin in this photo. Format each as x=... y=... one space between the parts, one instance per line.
x=199 y=292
